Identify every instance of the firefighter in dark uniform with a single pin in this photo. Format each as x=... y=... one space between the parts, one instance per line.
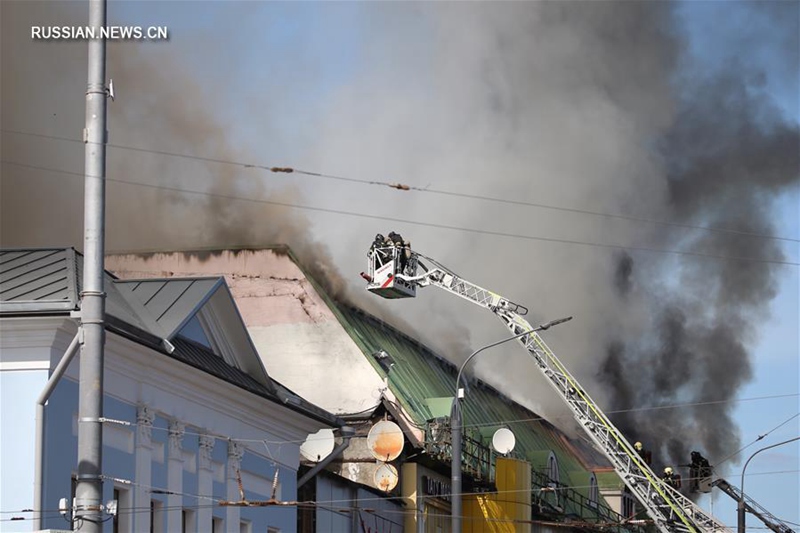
x=379 y=250
x=646 y=456
x=671 y=478
x=699 y=469
x=403 y=250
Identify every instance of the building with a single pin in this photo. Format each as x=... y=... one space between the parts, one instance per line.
x=366 y=371
x=193 y=423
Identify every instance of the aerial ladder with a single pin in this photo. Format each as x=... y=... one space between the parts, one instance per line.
x=752 y=506
x=393 y=273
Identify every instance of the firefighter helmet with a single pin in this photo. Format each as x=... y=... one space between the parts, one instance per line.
x=638 y=446
x=668 y=470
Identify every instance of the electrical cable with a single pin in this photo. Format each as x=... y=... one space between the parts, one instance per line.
x=156 y=490
x=638 y=409
x=403 y=187
x=416 y=223
x=477 y=425
x=760 y=437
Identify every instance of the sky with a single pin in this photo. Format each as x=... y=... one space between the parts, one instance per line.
x=611 y=136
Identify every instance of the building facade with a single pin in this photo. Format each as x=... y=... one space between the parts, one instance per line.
x=194 y=428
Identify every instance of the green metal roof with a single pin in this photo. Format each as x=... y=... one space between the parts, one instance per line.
x=420 y=379
x=423 y=383
x=609 y=480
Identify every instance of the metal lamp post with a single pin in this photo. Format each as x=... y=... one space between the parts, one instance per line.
x=741 y=528
x=456 y=428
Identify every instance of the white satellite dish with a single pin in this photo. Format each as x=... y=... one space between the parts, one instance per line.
x=385 y=441
x=385 y=477
x=503 y=441
x=318 y=445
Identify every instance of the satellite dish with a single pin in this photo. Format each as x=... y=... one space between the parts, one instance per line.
x=503 y=441
x=385 y=477
x=385 y=441
x=318 y=445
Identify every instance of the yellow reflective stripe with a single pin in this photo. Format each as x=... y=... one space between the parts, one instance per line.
x=611 y=429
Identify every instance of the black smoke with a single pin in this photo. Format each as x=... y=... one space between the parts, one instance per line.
x=730 y=154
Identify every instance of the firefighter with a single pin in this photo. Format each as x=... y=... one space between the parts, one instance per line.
x=699 y=469
x=644 y=454
x=672 y=479
x=403 y=250
x=378 y=249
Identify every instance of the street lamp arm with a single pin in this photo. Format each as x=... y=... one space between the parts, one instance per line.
x=541 y=327
x=741 y=519
x=758 y=452
x=479 y=350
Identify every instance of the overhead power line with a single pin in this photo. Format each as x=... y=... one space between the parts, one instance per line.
x=214 y=501
x=651 y=408
x=268 y=442
x=404 y=187
x=760 y=437
x=341 y=504
x=416 y=223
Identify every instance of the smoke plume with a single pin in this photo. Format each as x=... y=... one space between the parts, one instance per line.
x=595 y=106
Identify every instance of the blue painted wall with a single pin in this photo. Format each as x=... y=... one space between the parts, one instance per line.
x=61 y=454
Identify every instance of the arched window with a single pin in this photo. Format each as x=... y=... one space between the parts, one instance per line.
x=594 y=491
x=552 y=468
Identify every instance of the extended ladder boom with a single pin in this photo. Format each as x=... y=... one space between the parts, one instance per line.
x=671 y=511
x=752 y=507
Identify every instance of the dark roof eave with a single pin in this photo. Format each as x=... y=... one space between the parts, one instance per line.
x=134 y=334
x=298 y=404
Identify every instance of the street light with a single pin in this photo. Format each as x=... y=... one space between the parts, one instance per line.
x=741 y=496
x=456 y=429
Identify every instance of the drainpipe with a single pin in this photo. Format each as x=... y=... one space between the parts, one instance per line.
x=347 y=433
x=38 y=474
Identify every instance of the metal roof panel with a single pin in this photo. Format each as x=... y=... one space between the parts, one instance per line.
x=419 y=374
x=38 y=275
x=170 y=302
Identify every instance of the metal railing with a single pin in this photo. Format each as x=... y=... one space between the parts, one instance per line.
x=547 y=495
x=476 y=458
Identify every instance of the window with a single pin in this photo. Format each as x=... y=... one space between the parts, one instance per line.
x=555 y=495
x=552 y=467
x=594 y=491
x=115 y=522
x=156 y=516
x=628 y=504
x=217 y=525
x=122 y=520
x=193 y=330
x=188 y=521
x=245 y=527
x=307 y=514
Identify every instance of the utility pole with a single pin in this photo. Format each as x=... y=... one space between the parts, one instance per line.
x=89 y=490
